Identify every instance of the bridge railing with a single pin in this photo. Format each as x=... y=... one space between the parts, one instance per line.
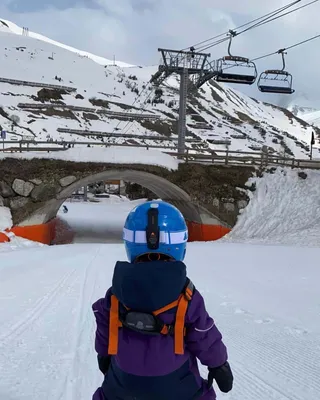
x=206 y=156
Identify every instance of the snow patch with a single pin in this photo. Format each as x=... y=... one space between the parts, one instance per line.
x=112 y=155
x=5 y=218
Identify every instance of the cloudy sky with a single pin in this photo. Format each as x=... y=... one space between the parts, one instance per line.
x=132 y=30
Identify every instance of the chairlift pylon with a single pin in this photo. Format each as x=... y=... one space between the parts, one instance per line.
x=231 y=61
x=276 y=75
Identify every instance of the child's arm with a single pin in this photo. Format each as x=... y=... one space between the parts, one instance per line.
x=101 y=313
x=203 y=339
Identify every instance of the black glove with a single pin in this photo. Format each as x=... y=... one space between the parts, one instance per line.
x=104 y=363
x=223 y=376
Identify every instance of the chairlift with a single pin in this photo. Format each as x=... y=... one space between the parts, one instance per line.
x=276 y=80
x=242 y=63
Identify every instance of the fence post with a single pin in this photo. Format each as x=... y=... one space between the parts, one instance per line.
x=187 y=155
x=227 y=156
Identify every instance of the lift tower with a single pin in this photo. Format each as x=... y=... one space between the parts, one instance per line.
x=190 y=65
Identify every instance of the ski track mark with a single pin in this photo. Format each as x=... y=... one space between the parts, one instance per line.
x=30 y=317
x=72 y=387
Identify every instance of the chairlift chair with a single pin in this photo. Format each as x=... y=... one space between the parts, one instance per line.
x=277 y=75
x=230 y=61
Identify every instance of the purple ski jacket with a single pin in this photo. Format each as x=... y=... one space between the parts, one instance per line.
x=146 y=366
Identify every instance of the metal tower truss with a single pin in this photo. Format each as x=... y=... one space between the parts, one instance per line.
x=192 y=67
x=175 y=61
x=209 y=72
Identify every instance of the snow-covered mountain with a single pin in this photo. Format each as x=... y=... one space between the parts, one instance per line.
x=301 y=111
x=312 y=117
x=10 y=27
x=97 y=96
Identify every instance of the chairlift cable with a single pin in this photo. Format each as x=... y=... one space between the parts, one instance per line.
x=277 y=11
x=282 y=15
x=261 y=23
x=246 y=24
x=128 y=124
x=287 y=48
x=284 y=49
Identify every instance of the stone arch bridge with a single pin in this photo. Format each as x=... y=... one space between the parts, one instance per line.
x=35 y=189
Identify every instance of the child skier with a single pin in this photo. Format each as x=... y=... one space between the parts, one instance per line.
x=152 y=326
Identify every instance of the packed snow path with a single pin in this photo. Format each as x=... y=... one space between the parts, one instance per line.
x=264 y=299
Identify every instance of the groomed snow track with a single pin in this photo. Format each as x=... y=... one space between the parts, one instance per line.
x=268 y=312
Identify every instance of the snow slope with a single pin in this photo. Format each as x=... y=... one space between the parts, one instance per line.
x=264 y=298
x=267 y=311
x=284 y=209
x=312 y=118
x=10 y=27
x=216 y=114
x=98 y=222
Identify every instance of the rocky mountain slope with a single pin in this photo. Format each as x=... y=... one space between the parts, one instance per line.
x=49 y=93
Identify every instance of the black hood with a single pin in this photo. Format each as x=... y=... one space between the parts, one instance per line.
x=148 y=286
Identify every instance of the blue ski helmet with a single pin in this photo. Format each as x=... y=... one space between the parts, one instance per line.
x=155 y=227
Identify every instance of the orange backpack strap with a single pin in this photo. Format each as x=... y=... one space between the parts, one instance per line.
x=179 y=328
x=114 y=325
x=166 y=308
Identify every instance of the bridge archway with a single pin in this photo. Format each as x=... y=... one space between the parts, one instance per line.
x=164 y=189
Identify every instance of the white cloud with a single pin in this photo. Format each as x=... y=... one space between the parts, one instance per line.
x=134 y=29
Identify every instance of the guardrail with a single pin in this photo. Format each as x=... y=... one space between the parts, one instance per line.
x=242 y=158
x=82 y=132
x=216 y=157
x=128 y=116
x=65 y=145
x=37 y=84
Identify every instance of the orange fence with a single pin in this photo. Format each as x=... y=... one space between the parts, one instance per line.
x=55 y=231
x=205 y=233
x=4 y=238
x=43 y=233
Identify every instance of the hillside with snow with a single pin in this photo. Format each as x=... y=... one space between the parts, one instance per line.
x=94 y=98
x=312 y=118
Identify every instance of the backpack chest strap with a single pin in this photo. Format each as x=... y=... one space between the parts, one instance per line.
x=179 y=326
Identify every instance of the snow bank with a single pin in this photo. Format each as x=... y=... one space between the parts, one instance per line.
x=113 y=155
x=284 y=209
x=18 y=243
